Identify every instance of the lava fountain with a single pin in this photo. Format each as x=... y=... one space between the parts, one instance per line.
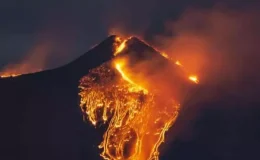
x=138 y=112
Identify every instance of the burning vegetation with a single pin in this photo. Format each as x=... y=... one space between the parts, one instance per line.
x=137 y=109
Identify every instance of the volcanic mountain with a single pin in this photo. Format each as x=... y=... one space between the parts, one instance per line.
x=41 y=119
x=40 y=116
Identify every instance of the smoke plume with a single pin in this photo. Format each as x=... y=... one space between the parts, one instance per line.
x=220 y=45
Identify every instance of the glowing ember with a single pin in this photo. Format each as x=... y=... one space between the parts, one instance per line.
x=178 y=63
x=165 y=55
x=137 y=118
x=194 y=79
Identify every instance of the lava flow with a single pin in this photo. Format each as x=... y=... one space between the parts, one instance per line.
x=13 y=72
x=6 y=75
x=137 y=117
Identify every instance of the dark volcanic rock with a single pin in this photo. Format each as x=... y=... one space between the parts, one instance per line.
x=40 y=117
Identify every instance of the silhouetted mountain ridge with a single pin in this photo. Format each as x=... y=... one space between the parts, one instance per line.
x=40 y=116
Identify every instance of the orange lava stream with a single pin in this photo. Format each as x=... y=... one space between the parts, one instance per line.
x=137 y=118
x=137 y=121
x=119 y=65
x=122 y=46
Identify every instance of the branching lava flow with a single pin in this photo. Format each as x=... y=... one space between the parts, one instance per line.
x=137 y=118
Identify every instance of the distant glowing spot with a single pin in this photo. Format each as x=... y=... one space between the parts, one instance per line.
x=9 y=75
x=194 y=79
x=178 y=63
x=165 y=55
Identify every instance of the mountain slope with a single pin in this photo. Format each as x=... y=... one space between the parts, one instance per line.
x=40 y=117
x=39 y=114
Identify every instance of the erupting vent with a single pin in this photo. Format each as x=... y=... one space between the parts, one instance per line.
x=137 y=115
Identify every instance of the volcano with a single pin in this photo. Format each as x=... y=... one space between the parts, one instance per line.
x=131 y=94
x=40 y=115
x=41 y=119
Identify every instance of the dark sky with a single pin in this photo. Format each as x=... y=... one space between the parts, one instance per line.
x=58 y=31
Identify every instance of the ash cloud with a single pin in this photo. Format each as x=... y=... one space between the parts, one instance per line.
x=219 y=44
x=216 y=41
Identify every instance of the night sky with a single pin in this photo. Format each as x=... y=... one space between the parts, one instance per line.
x=65 y=30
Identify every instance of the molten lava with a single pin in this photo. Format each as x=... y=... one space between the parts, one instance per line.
x=194 y=79
x=6 y=75
x=164 y=55
x=120 y=45
x=119 y=66
x=137 y=118
x=178 y=63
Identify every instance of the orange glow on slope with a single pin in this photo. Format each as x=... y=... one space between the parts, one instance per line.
x=164 y=55
x=178 y=63
x=119 y=65
x=120 y=48
x=6 y=75
x=137 y=118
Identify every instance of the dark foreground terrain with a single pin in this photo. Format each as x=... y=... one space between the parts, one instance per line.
x=40 y=118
